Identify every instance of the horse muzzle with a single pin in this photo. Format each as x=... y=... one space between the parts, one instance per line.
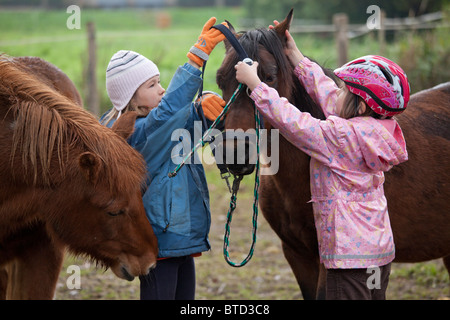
x=237 y=151
x=125 y=274
x=128 y=267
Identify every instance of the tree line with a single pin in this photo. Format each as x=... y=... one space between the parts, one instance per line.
x=323 y=10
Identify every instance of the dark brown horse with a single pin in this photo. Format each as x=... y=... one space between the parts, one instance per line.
x=66 y=182
x=417 y=191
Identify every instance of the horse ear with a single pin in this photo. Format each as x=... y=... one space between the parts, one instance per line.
x=124 y=126
x=90 y=165
x=230 y=26
x=233 y=31
x=284 y=25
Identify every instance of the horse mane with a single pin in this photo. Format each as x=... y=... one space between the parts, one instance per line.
x=47 y=122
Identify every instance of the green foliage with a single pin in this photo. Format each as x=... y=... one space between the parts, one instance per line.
x=324 y=9
x=425 y=56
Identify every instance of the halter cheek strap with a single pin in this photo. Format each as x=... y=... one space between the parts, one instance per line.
x=258 y=120
x=243 y=56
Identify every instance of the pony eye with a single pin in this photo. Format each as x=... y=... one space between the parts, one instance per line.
x=116 y=213
x=270 y=78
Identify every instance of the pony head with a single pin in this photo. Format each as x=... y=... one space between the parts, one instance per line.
x=267 y=47
x=81 y=179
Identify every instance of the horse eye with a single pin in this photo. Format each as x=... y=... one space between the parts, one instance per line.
x=269 y=79
x=116 y=213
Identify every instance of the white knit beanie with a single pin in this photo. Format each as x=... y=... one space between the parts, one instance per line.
x=126 y=71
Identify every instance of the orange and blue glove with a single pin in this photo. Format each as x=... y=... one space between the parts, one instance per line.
x=212 y=105
x=206 y=42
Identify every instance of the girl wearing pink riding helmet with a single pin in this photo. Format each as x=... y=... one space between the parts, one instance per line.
x=349 y=152
x=381 y=83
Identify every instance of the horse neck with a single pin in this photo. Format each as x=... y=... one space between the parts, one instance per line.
x=292 y=176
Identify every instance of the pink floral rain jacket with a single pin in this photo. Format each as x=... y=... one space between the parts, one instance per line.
x=348 y=158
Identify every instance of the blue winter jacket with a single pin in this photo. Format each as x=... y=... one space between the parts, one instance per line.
x=178 y=207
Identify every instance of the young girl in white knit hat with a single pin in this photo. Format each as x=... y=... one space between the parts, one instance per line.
x=178 y=207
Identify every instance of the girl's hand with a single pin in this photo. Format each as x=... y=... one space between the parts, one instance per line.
x=206 y=42
x=212 y=106
x=247 y=75
x=291 y=50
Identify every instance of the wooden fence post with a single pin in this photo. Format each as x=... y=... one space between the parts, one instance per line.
x=92 y=91
x=340 y=21
x=382 y=33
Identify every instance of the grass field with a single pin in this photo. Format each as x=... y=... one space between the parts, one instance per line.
x=267 y=276
x=45 y=34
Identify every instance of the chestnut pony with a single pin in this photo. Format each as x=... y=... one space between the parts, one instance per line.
x=66 y=182
x=417 y=190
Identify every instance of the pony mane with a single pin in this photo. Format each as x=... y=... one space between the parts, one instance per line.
x=46 y=122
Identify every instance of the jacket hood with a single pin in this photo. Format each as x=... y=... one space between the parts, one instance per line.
x=383 y=146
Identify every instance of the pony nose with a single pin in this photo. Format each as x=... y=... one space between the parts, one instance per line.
x=241 y=169
x=243 y=160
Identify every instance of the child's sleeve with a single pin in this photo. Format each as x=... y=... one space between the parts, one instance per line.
x=180 y=92
x=322 y=89
x=317 y=138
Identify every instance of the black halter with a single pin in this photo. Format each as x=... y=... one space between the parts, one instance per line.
x=233 y=41
x=225 y=174
x=243 y=56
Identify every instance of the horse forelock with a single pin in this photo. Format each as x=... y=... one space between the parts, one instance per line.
x=48 y=126
x=270 y=41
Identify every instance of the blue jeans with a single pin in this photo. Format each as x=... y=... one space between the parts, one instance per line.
x=172 y=279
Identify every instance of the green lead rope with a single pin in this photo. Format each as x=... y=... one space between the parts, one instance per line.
x=236 y=182
x=203 y=140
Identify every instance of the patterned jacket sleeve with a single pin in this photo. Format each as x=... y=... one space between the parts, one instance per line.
x=320 y=87
x=317 y=138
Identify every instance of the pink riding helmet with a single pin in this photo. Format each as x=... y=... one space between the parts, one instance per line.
x=379 y=81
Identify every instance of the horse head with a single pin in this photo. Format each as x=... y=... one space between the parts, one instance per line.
x=63 y=169
x=111 y=225
x=267 y=47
